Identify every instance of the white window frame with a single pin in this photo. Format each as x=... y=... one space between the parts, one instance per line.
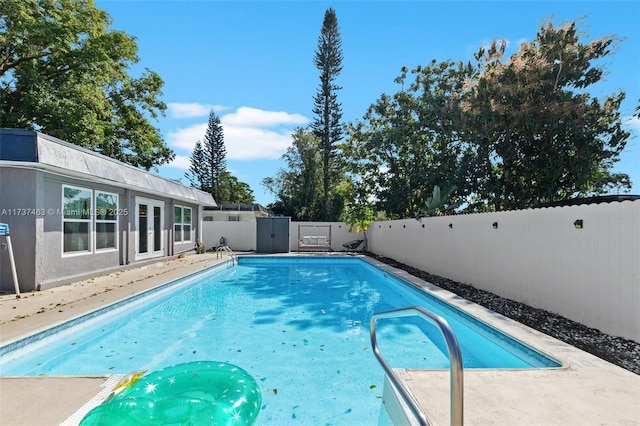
x=86 y=210
x=178 y=236
x=115 y=221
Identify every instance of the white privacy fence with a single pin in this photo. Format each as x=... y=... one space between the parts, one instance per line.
x=587 y=271
x=241 y=236
x=336 y=232
x=582 y=262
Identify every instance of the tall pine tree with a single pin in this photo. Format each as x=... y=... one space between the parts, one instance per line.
x=208 y=160
x=216 y=154
x=328 y=112
x=197 y=174
x=208 y=170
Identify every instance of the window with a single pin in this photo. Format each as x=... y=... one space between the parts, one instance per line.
x=76 y=219
x=106 y=220
x=177 y=223
x=182 y=224
x=84 y=226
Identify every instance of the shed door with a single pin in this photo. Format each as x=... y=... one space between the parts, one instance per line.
x=280 y=242
x=263 y=235
x=272 y=234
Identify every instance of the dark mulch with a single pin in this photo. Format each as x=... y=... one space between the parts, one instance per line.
x=616 y=350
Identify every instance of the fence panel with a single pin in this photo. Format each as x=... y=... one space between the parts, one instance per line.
x=239 y=236
x=339 y=232
x=589 y=273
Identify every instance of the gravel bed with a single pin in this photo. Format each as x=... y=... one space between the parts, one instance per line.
x=616 y=350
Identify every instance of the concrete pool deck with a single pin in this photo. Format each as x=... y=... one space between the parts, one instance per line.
x=584 y=391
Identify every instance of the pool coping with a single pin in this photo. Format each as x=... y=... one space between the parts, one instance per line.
x=22 y=341
x=585 y=390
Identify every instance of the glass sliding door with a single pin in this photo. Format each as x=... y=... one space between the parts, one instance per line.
x=157 y=228
x=143 y=225
x=149 y=220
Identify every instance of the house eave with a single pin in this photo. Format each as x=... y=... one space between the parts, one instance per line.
x=56 y=156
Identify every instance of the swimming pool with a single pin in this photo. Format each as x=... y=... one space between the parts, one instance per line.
x=299 y=325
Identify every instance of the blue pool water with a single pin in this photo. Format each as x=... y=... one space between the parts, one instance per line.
x=299 y=325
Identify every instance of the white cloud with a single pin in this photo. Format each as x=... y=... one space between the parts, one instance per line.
x=191 y=110
x=252 y=143
x=253 y=117
x=180 y=162
x=249 y=134
x=186 y=138
x=633 y=123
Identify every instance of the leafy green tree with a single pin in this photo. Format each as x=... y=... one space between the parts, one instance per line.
x=508 y=134
x=64 y=72
x=539 y=134
x=298 y=188
x=409 y=142
x=359 y=211
x=327 y=109
x=234 y=191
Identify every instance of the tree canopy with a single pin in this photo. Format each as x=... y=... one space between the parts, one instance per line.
x=64 y=72
x=298 y=188
x=234 y=191
x=408 y=143
x=506 y=133
x=539 y=134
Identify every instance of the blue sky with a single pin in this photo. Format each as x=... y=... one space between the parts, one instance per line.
x=252 y=62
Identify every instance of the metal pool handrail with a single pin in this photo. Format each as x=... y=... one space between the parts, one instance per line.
x=455 y=357
x=226 y=249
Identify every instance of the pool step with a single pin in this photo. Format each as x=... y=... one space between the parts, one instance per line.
x=398 y=411
x=455 y=360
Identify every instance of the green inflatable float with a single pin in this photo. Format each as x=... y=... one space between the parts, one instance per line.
x=194 y=393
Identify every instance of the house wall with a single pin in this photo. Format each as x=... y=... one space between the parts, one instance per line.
x=538 y=257
x=16 y=203
x=54 y=266
x=34 y=168
x=170 y=247
x=37 y=239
